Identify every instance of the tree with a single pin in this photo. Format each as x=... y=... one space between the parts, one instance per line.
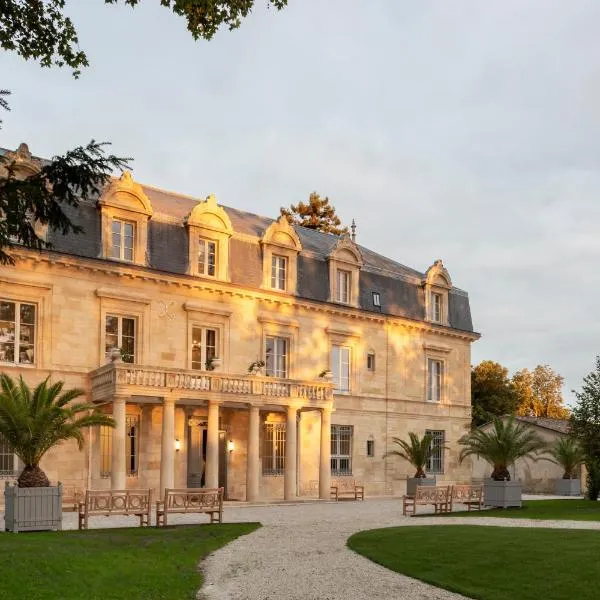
x=34 y=422
x=585 y=427
x=416 y=451
x=505 y=443
x=539 y=393
x=567 y=453
x=317 y=214
x=492 y=393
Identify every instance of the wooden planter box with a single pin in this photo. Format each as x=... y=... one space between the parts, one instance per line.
x=502 y=494
x=413 y=482
x=32 y=509
x=568 y=487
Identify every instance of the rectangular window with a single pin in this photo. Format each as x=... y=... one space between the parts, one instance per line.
x=370 y=448
x=343 y=286
x=276 y=356
x=371 y=361
x=435 y=374
x=122 y=239
x=274 y=449
x=340 y=367
x=132 y=430
x=204 y=347
x=436 y=308
x=341 y=449
x=17 y=332
x=376 y=300
x=278 y=272
x=120 y=333
x=207 y=257
x=105 y=450
x=7 y=459
x=435 y=464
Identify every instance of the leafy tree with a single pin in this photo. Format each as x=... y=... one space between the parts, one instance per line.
x=492 y=393
x=416 y=451
x=585 y=427
x=505 y=443
x=539 y=393
x=317 y=214
x=32 y=422
x=567 y=453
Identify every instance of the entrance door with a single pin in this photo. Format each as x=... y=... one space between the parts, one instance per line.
x=196 y=476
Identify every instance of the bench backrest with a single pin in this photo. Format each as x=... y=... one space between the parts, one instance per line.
x=467 y=493
x=191 y=499
x=344 y=485
x=432 y=493
x=118 y=502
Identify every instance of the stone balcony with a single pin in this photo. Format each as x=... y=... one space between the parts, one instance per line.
x=124 y=379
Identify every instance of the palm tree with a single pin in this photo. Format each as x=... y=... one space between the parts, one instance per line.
x=32 y=422
x=502 y=446
x=417 y=452
x=567 y=453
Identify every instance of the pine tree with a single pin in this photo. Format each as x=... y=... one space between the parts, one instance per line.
x=585 y=426
x=317 y=214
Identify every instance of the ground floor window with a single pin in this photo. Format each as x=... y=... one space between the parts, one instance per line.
x=341 y=449
x=132 y=445
x=274 y=449
x=435 y=464
x=105 y=450
x=8 y=464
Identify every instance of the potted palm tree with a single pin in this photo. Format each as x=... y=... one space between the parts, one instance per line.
x=505 y=443
x=417 y=452
x=32 y=422
x=567 y=453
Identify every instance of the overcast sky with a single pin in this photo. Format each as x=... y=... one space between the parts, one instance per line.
x=461 y=130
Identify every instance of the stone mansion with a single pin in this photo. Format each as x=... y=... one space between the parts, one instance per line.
x=235 y=350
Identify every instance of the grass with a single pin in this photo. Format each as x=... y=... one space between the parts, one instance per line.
x=572 y=510
x=110 y=564
x=490 y=563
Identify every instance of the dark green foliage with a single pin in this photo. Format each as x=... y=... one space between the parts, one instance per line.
x=416 y=451
x=492 y=393
x=567 y=453
x=317 y=214
x=585 y=427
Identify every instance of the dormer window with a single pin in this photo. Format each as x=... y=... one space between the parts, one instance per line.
x=343 y=286
x=437 y=285
x=279 y=272
x=376 y=300
x=436 y=307
x=207 y=257
x=123 y=236
x=345 y=262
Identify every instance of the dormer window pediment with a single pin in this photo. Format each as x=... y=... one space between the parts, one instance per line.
x=437 y=284
x=345 y=262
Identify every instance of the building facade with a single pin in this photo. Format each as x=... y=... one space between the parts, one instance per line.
x=234 y=349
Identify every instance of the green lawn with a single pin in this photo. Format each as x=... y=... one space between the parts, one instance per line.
x=575 y=510
x=137 y=563
x=491 y=563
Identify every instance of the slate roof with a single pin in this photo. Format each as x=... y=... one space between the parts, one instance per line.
x=559 y=425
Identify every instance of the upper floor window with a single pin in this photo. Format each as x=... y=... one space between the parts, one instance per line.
x=340 y=367
x=8 y=466
x=204 y=347
x=207 y=257
x=341 y=449
x=122 y=240
x=121 y=333
x=435 y=374
x=274 y=449
x=376 y=299
x=17 y=332
x=278 y=272
x=343 y=286
x=371 y=361
x=276 y=356
x=436 y=307
x=435 y=464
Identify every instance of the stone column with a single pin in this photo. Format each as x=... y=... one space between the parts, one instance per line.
x=290 y=454
x=212 y=446
x=252 y=465
x=325 y=458
x=167 y=446
x=117 y=475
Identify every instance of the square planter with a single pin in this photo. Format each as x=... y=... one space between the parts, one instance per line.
x=413 y=482
x=32 y=509
x=502 y=494
x=568 y=487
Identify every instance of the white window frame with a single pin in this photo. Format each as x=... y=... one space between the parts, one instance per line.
x=437 y=307
x=273 y=458
x=8 y=460
x=279 y=270
x=16 y=341
x=341 y=360
x=343 y=286
x=121 y=245
x=435 y=464
x=205 y=355
x=205 y=266
x=341 y=462
x=120 y=335
x=277 y=365
x=435 y=380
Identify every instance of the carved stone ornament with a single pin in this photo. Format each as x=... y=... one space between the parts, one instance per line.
x=437 y=274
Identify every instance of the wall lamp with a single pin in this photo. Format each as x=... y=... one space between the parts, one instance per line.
x=230 y=446
x=177 y=445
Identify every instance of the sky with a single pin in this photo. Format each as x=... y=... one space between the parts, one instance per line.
x=462 y=130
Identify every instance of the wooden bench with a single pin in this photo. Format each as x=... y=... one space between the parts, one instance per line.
x=471 y=495
x=116 y=502
x=191 y=500
x=438 y=495
x=71 y=499
x=348 y=489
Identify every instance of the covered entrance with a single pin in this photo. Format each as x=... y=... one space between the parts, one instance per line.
x=197 y=435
